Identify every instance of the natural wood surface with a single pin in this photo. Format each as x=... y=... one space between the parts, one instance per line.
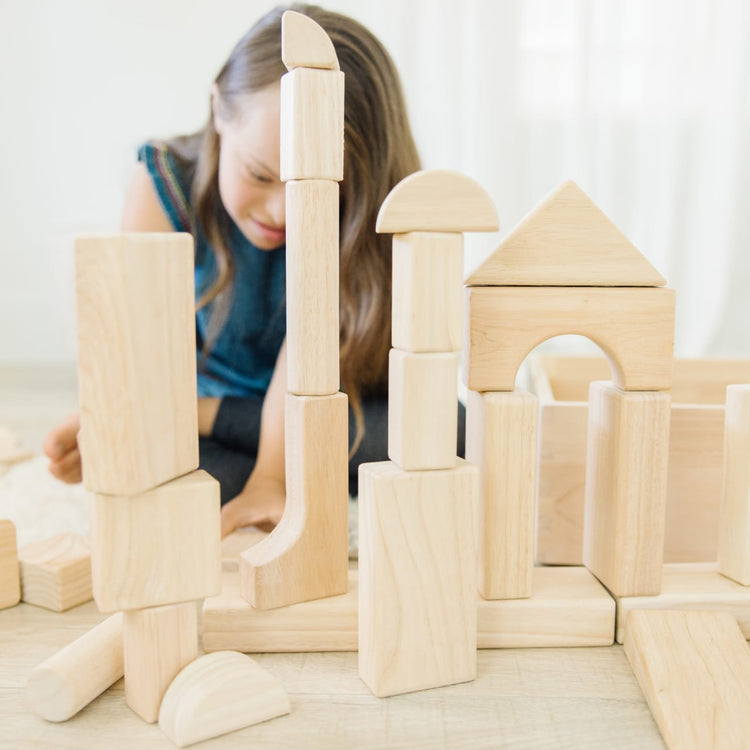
x=10 y=578
x=304 y=44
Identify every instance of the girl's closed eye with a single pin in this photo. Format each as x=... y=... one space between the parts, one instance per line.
x=253 y=174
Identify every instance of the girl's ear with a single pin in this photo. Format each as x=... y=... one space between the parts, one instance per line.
x=218 y=122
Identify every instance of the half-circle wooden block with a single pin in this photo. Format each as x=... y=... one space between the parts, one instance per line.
x=304 y=44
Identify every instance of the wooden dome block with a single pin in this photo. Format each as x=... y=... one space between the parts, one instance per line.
x=304 y=44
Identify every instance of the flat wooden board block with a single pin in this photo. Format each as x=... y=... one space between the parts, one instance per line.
x=694 y=669
x=633 y=326
x=427 y=290
x=160 y=547
x=566 y=241
x=56 y=572
x=312 y=287
x=436 y=200
x=304 y=44
x=136 y=360
x=307 y=554
x=312 y=125
x=10 y=581
x=417 y=584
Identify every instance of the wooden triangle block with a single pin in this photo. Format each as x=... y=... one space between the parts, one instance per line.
x=304 y=44
x=566 y=241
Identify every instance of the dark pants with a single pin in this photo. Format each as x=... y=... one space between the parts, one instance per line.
x=229 y=454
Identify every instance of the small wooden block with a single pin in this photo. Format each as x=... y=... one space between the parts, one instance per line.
x=436 y=200
x=422 y=410
x=56 y=572
x=633 y=326
x=427 y=289
x=501 y=439
x=161 y=547
x=312 y=287
x=70 y=679
x=417 y=581
x=10 y=581
x=158 y=643
x=304 y=44
x=312 y=125
x=307 y=554
x=626 y=488
x=694 y=670
x=136 y=360
x=734 y=515
x=11 y=449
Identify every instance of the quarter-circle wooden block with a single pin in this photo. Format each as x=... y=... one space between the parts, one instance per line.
x=304 y=44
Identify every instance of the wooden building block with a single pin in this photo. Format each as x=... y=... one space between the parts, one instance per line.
x=501 y=439
x=734 y=516
x=633 y=326
x=312 y=125
x=10 y=581
x=307 y=554
x=312 y=291
x=422 y=409
x=136 y=360
x=161 y=547
x=417 y=582
x=427 y=290
x=304 y=44
x=694 y=670
x=626 y=488
x=56 y=572
x=12 y=450
x=70 y=679
x=436 y=200
x=158 y=643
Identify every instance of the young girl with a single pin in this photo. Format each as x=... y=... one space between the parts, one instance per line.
x=222 y=185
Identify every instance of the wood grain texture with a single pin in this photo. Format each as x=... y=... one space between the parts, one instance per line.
x=70 y=679
x=422 y=409
x=312 y=125
x=160 y=547
x=626 y=488
x=158 y=643
x=56 y=572
x=501 y=439
x=427 y=290
x=312 y=287
x=307 y=554
x=566 y=241
x=10 y=580
x=694 y=669
x=136 y=360
x=417 y=580
x=734 y=514
x=633 y=326
x=304 y=44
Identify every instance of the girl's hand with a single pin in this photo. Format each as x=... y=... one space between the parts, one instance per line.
x=260 y=504
x=61 y=446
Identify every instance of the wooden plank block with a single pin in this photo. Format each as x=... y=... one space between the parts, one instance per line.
x=10 y=581
x=734 y=514
x=136 y=360
x=158 y=643
x=312 y=278
x=160 y=547
x=626 y=488
x=417 y=585
x=501 y=439
x=304 y=44
x=427 y=289
x=694 y=669
x=422 y=409
x=217 y=694
x=566 y=241
x=307 y=554
x=70 y=679
x=312 y=125
x=633 y=326
x=437 y=200
x=56 y=572
x=691 y=586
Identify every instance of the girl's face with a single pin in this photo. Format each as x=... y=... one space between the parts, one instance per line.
x=249 y=183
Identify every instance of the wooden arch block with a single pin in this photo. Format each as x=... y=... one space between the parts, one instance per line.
x=304 y=44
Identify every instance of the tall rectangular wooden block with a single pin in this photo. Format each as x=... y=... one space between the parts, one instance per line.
x=136 y=360
x=626 y=488
x=160 y=547
x=427 y=288
x=312 y=125
x=10 y=581
x=501 y=439
x=422 y=410
x=417 y=581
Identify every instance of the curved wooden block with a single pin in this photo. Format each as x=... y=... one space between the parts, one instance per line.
x=437 y=200
x=219 y=693
x=304 y=44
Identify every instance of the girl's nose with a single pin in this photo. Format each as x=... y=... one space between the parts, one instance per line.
x=277 y=206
